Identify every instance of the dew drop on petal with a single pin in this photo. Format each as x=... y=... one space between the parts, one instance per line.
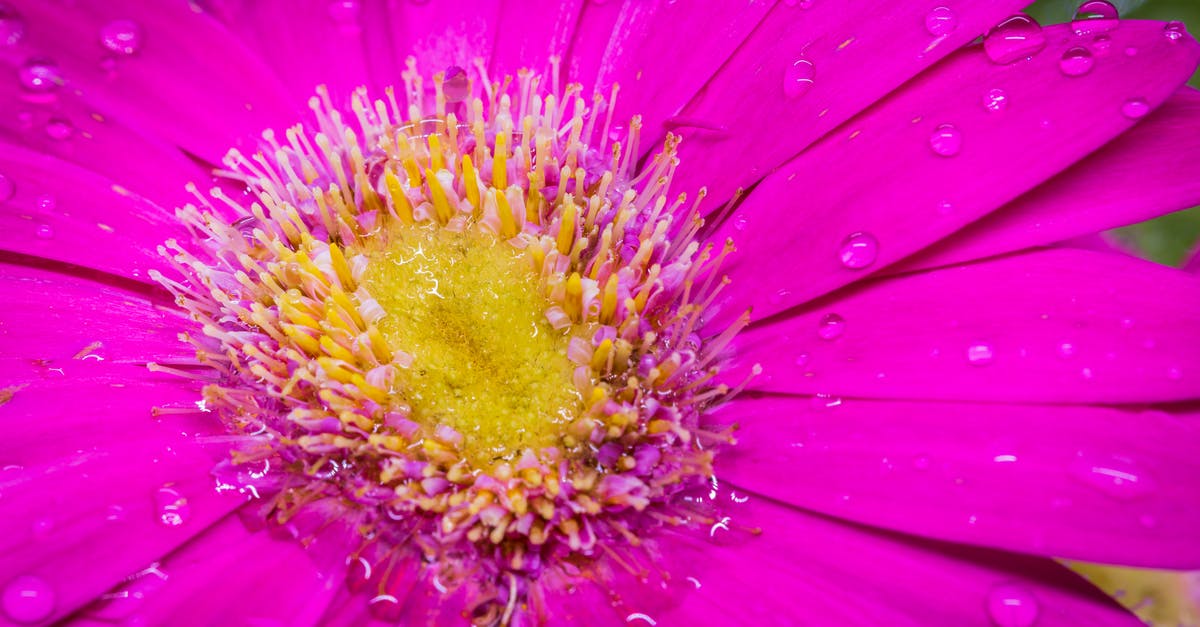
x=832 y=327
x=1135 y=108
x=8 y=188
x=40 y=76
x=941 y=21
x=173 y=508
x=59 y=129
x=46 y=202
x=821 y=402
x=12 y=25
x=455 y=84
x=798 y=78
x=1012 y=605
x=1066 y=349
x=1094 y=16
x=1116 y=476
x=44 y=231
x=858 y=251
x=995 y=100
x=946 y=140
x=28 y=599
x=980 y=354
x=1016 y=38
x=1101 y=44
x=344 y=13
x=121 y=36
x=1076 y=61
x=1174 y=30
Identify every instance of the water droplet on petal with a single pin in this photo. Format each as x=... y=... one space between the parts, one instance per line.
x=344 y=13
x=832 y=327
x=980 y=354
x=44 y=231
x=1116 y=476
x=941 y=21
x=798 y=78
x=1094 y=16
x=1066 y=349
x=1012 y=605
x=1135 y=108
x=995 y=100
x=455 y=84
x=173 y=508
x=121 y=36
x=1101 y=44
x=8 y=188
x=40 y=76
x=28 y=599
x=858 y=251
x=946 y=140
x=1076 y=61
x=59 y=129
x=12 y=25
x=821 y=402
x=802 y=360
x=1018 y=37
x=46 y=202
x=1174 y=30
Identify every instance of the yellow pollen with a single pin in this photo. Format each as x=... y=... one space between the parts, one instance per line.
x=485 y=361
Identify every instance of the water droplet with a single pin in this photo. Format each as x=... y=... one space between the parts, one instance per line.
x=1066 y=349
x=832 y=327
x=980 y=354
x=1018 y=37
x=798 y=78
x=44 y=231
x=28 y=599
x=945 y=207
x=173 y=508
x=1076 y=61
x=946 y=140
x=42 y=528
x=995 y=100
x=1094 y=16
x=941 y=21
x=8 y=188
x=1174 y=30
x=1135 y=108
x=821 y=402
x=1012 y=605
x=59 y=129
x=40 y=76
x=455 y=84
x=1101 y=44
x=344 y=13
x=121 y=36
x=1114 y=475
x=12 y=25
x=803 y=4
x=921 y=462
x=46 y=202
x=858 y=251
x=802 y=360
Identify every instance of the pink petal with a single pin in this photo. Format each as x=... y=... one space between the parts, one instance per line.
x=597 y=27
x=1142 y=174
x=167 y=86
x=858 y=52
x=1116 y=486
x=66 y=213
x=1192 y=264
x=880 y=176
x=529 y=32
x=1045 y=326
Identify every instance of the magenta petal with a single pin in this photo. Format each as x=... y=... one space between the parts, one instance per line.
x=882 y=174
x=597 y=26
x=1105 y=485
x=167 y=85
x=808 y=569
x=1142 y=174
x=1058 y=325
x=529 y=32
x=773 y=105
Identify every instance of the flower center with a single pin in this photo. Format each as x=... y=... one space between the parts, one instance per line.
x=466 y=307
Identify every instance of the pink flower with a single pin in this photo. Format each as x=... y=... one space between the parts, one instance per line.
x=946 y=396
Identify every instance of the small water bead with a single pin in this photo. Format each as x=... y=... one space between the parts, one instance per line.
x=1101 y=44
x=941 y=21
x=44 y=231
x=121 y=36
x=28 y=599
x=798 y=78
x=59 y=129
x=1095 y=16
x=1076 y=61
x=832 y=327
x=1135 y=108
x=40 y=76
x=46 y=202
x=1116 y=476
x=8 y=188
x=1016 y=38
x=1012 y=605
x=946 y=140
x=12 y=25
x=1174 y=30
x=995 y=100
x=821 y=402
x=173 y=508
x=1066 y=349
x=456 y=84
x=858 y=251
x=980 y=354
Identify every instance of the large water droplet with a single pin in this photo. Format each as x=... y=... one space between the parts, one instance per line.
x=1114 y=475
x=1076 y=61
x=8 y=189
x=995 y=100
x=946 y=140
x=1016 y=38
x=12 y=25
x=832 y=327
x=980 y=354
x=858 y=251
x=40 y=76
x=1174 y=30
x=941 y=21
x=28 y=599
x=1135 y=108
x=173 y=508
x=798 y=78
x=1094 y=16
x=1012 y=605
x=121 y=36
x=456 y=84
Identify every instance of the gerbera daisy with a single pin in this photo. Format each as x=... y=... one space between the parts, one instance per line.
x=589 y=313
